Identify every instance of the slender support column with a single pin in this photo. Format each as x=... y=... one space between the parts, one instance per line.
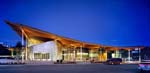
x=106 y=55
x=26 y=47
x=22 y=54
x=63 y=52
x=74 y=54
x=24 y=35
x=69 y=56
x=22 y=42
x=80 y=53
x=139 y=54
x=115 y=53
x=129 y=54
x=12 y=52
x=68 y=53
x=120 y=53
x=100 y=51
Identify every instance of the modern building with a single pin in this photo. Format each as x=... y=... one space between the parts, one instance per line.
x=46 y=46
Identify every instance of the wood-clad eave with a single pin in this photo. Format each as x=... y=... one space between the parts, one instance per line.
x=34 y=32
x=15 y=27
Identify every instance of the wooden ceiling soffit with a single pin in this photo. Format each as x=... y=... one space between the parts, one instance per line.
x=34 y=32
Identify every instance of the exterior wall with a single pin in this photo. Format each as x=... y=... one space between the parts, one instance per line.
x=44 y=48
x=57 y=51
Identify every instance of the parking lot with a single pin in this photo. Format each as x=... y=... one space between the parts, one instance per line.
x=69 y=68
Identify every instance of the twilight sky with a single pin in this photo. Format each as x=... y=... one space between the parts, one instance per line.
x=107 y=22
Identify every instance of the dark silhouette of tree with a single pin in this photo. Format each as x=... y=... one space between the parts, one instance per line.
x=18 y=48
x=4 y=50
x=18 y=45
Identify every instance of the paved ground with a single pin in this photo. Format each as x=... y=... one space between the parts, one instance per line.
x=83 y=68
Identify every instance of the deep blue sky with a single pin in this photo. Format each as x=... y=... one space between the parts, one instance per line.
x=108 y=22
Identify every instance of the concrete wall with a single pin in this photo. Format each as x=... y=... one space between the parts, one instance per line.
x=46 y=47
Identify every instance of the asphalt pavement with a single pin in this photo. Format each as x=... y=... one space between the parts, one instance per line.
x=69 y=68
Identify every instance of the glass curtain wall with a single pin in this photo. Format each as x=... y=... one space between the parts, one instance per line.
x=75 y=54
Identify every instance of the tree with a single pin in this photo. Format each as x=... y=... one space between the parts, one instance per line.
x=18 y=48
x=4 y=50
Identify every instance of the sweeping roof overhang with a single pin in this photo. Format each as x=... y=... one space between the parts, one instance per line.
x=30 y=32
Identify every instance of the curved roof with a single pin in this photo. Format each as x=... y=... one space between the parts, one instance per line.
x=30 y=32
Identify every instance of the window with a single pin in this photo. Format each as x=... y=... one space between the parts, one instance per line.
x=41 y=56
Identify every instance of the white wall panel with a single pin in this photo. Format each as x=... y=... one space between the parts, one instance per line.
x=47 y=47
